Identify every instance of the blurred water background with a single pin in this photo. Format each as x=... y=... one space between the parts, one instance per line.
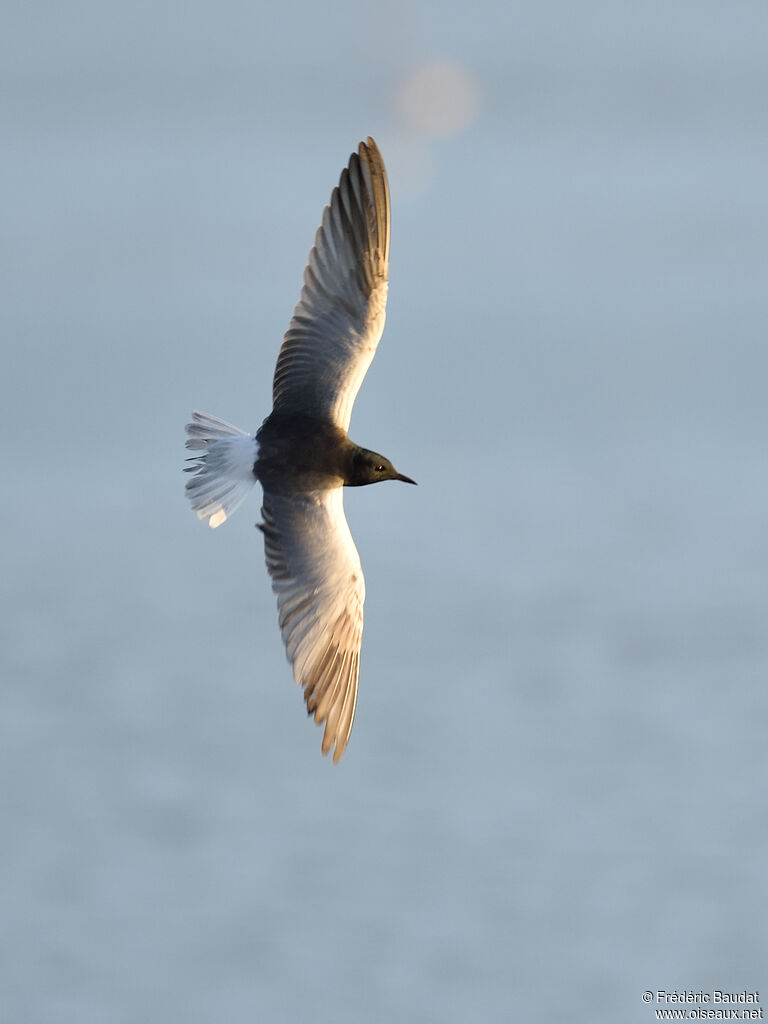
x=555 y=793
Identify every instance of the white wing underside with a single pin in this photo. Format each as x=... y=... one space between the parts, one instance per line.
x=339 y=318
x=318 y=580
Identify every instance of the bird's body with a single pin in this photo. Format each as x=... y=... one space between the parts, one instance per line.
x=302 y=455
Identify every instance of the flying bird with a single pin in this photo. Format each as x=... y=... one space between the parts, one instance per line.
x=302 y=455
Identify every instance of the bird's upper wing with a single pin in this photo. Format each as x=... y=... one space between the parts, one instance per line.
x=339 y=318
x=316 y=574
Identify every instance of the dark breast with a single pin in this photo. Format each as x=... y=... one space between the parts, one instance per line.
x=302 y=453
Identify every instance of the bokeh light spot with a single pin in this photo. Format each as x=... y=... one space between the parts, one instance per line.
x=439 y=98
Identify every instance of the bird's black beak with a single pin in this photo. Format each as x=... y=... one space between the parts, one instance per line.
x=405 y=479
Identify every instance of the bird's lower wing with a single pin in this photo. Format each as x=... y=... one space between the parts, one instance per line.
x=318 y=579
x=339 y=318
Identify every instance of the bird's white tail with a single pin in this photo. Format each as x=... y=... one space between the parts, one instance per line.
x=224 y=469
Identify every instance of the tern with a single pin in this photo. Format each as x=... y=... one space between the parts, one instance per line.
x=302 y=456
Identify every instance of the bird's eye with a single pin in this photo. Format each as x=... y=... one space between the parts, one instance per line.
x=379 y=469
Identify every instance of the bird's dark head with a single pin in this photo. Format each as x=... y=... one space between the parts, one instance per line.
x=370 y=467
